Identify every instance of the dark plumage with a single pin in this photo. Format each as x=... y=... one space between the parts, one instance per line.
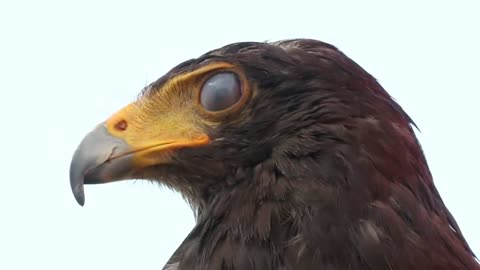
x=319 y=169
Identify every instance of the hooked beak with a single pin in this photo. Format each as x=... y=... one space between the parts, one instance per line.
x=126 y=144
x=100 y=158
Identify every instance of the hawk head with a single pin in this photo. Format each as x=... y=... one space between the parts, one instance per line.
x=292 y=157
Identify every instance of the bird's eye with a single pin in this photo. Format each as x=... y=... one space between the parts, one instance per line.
x=220 y=91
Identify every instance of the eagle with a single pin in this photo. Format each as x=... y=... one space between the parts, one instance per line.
x=291 y=155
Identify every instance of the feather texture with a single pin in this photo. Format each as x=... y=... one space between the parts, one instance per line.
x=322 y=172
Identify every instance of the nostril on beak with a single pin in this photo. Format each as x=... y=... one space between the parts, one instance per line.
x=122 y=125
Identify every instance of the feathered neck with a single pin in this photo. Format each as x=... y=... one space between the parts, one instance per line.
x=322 y=201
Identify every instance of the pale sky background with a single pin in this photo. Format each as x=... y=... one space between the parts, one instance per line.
x=67 y=65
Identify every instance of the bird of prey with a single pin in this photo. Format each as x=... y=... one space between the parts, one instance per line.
x=292 y=157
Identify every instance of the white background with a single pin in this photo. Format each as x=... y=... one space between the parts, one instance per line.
x=67 y=65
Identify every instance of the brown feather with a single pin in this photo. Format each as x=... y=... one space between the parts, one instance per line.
x=322 y=171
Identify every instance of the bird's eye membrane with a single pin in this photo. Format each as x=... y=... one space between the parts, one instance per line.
x=220 y=91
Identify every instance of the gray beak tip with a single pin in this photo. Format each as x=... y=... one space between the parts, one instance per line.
x=90 y=162
x=79 y=194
